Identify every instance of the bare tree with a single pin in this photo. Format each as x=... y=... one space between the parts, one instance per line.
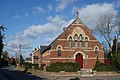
x=117 y=30
x=105 y=27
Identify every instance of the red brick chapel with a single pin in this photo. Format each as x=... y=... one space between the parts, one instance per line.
x=75 y=44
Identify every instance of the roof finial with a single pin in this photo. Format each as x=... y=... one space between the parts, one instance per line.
x=77 y=13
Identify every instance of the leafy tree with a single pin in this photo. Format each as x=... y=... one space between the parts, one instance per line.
x=22 y=61
x=2 y=29
x=5 y=54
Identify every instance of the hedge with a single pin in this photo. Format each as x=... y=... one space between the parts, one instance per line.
x=29 y=65
x=67 y=67
x=103 y=67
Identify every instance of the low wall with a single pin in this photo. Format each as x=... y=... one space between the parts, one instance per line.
x=105 y=74
x=61 y=73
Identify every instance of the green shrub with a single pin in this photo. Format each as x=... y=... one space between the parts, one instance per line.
x=42 y=65
x=68 y=67
x=103 y=67
x=116 y=60
x=29 y=65
x=35 y=66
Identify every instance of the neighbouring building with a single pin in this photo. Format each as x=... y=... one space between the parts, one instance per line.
x=75 y=44
x=35 y=57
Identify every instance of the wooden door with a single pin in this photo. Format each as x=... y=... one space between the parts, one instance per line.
x=79 y=59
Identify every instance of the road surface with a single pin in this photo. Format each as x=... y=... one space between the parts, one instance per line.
x=5 y=74
x=8 y=73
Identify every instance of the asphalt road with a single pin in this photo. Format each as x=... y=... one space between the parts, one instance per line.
x=16 y=75
x=8 y=73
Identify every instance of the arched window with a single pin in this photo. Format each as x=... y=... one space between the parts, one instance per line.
x=59 y=51
x=76 y=40
x=86 y=43
x=96 y=52
x=70 y=42
x=80 y=44
x=81 y=38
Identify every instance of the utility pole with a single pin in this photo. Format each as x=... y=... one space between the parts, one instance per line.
x=40 y=60
x=19 y=53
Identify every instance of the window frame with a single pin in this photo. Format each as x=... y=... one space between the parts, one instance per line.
x=70 y=42
x=76 y=41
x=59 y=51
x=86 y=42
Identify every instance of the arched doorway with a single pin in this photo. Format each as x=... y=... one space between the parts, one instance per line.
x=79 y=59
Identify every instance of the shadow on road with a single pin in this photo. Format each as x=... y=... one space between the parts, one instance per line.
x=75 y=78
x=17 y=75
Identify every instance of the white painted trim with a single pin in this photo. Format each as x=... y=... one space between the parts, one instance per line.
x=78 y=24
x=95 y=47
x=78 y=40
x=74 y=58
x=45 y=61
x=74 y=50
x=61 y=58
x=95 y=58
x=64 y=50
x=68 y=37
x=92 y=50
x=93 y=40
x=62 y=39
x=46 y=54
x=87 y=37
x=83 y=54
x=59 y=46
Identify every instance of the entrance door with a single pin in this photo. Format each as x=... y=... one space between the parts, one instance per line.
x=79 y=59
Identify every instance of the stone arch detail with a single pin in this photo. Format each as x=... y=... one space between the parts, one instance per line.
x=87 y=37
x=59 y=46
x=80 y=52
x=69 y=37
x=97 y=48
x=78 y=31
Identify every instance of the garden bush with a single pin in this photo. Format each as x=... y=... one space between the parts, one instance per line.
x=103 y=67
x=67 y=67
x=29 y=65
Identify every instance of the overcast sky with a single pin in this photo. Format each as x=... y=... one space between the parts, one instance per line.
x=38 y=22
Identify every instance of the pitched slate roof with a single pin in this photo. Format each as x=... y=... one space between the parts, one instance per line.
x=43 y=48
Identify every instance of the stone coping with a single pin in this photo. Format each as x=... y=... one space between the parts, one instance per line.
x=78 y=73
x=105 y=73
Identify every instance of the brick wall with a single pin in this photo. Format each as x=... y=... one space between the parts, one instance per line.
x=69 y=55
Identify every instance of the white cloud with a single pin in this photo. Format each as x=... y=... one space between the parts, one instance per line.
x=54 y=24
x=50 y=7
x=91 y=13
x=37 y=10
x=62 y=4
x=16 y=16
x=26 y=15
x=48 y=30
x=49 y=40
